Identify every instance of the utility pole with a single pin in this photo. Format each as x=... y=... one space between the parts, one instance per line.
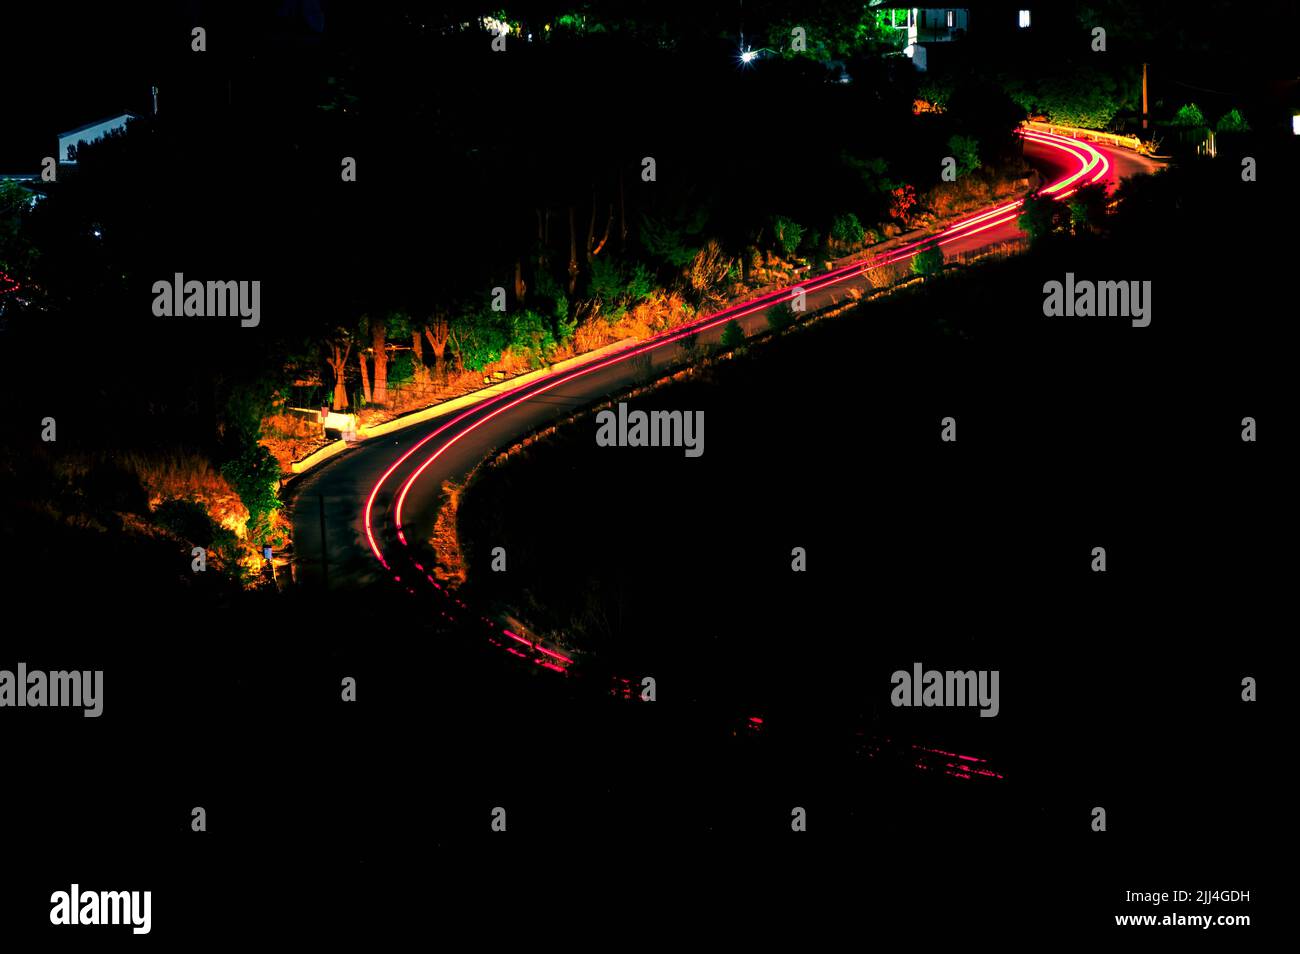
x=1144 y=97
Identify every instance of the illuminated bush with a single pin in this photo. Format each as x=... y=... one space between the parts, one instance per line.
x=531 y=336
x=846 y=229
x=1232 y=122
x=927 y=261
x=256 y=478
x=1039 y=217
x=1190 y=116
x=788 y=234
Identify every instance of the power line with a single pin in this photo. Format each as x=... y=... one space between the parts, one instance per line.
x=1203 y=89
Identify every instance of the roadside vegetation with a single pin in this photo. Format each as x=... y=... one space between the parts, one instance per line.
x=528 y=239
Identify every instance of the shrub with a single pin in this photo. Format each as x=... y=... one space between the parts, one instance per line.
x=1039 y=216
x=1087 y=208
x=480 y=337
x=928 y=261
x=1190 y=116
x=618 y=287
x=732 y=334
x=965 y=149
x=531 y=336
x=256 y=478
x=788 y=234
x=1232 y=122
x=846 y=229
x=780 y=316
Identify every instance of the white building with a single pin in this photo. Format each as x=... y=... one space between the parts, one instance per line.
x=932 y=25
x=70 y=140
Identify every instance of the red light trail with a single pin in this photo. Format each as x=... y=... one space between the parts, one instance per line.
x=1088 y=158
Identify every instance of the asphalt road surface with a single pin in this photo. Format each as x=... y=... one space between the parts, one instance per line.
x=384 y=492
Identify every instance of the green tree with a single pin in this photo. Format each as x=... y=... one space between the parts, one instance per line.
x=617 y=286
x=788 y=234
x=732 y=334
x=872 y=172
x=1080 y=95
x=478 y=337
x=1232 y=122
x=549 y=296
x=531 y=335
x=780 y=316
x=255 y=476
x=396 y=326
x=965 y=149
x=17 y=253
x=1189 y=116
x=846 y=229
x=677 y=241
x=1088 y=208
x=836 y=29
x=1039 y=217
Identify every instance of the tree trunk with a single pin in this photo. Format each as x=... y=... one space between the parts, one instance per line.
x=338 y=364
x=417 y=347
x=609 y=222
x=379 y=341
x=521 y=287
x=365 y=375
x=438 y=331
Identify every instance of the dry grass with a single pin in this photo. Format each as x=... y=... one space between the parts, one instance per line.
x=164 y=475
x=168 y=474
x=449 y=562
x=975 y=191
x=999 y=251
x=884 y=276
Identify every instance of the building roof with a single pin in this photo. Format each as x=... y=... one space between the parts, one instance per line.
x=127 y=114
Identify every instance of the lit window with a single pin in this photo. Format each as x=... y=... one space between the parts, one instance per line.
x=1295 y=124
x=1024 y=19
x=952 y=19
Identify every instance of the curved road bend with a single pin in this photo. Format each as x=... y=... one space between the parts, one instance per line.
x=384 y=492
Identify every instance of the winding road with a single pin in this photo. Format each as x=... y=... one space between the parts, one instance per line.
x=380 y=496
